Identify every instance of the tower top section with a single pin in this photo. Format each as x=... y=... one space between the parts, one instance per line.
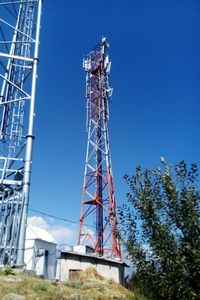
x=98 y=55
x=105 y=42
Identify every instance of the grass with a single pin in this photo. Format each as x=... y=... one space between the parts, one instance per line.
x=88 y=286
x=7 y=270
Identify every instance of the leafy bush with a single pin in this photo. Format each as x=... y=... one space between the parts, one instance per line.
x=161 y=226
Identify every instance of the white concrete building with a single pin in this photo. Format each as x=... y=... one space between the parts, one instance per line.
x=72 y=263
x=40 y=252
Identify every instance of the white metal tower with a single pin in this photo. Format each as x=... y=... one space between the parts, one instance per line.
x=19 y=43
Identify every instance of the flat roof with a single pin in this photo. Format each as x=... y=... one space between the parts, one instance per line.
x=88 y=255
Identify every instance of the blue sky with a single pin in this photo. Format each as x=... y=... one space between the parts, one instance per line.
x=155 y=74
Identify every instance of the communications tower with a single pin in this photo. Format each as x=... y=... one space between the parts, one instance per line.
x=19 y=42
x=98 y=197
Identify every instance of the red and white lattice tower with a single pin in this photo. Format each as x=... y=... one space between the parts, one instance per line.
x=98 y=198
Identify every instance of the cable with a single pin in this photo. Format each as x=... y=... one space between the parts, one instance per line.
x=51 y=216
x=55 y=217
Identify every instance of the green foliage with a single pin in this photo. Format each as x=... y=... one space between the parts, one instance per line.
x=137 y=295
x=7 y=270
x=55 y=283
x=40 y=287
x=161 y=226
x=76 y=284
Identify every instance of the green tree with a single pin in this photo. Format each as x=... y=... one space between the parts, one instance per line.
x=161 y=230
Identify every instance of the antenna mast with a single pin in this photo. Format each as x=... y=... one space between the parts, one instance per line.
x=19 y=43
x=98 y=198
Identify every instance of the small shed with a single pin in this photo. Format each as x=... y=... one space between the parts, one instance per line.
x=72 y=263
x=40 y=252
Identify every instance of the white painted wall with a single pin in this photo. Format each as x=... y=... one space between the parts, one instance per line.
x=104 y=268
x=109 y=272
x=29 y=255
x=45 y=264
x=40 y=254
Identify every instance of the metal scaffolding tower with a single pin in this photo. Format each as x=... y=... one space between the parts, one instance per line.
x=19 y=42
x=98 y=198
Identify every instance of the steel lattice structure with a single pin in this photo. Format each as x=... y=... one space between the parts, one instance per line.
x=19 y=43
x=98 y=198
